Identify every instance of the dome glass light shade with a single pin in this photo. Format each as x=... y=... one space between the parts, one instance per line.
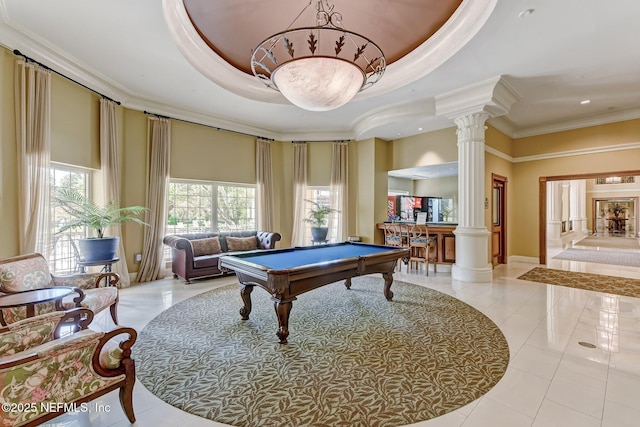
x=318 y=68
x=318 y=83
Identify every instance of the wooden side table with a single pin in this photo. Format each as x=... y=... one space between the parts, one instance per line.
x=33 y=297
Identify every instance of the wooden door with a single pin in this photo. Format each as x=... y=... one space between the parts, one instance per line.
x=499 y=220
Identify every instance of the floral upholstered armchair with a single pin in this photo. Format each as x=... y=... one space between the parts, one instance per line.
x=95 y=291
x=43 y=374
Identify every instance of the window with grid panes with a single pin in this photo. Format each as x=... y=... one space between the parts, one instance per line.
x=63 y=256
x=204 y=207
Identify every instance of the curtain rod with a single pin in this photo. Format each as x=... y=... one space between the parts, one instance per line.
x=28 y=59
x=18 y=53
x=209 y=126
x=324 y=140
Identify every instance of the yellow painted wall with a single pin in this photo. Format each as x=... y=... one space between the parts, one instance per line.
x=498 y=140
x=578 y=139
x=446 y=187
x=282 y=166
x=383 y=159
x=373 y=165
x=134 y=178
x=8 y=155
x=405 y=185
x=499 y=166
x=432 y=148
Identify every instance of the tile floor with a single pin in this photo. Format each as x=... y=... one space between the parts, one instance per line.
x=551 y=380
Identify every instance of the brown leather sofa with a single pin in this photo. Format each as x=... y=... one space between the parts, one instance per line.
x=197 y=255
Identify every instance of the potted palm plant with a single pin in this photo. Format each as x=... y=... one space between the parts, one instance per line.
x=318 y=217
x=85 y=213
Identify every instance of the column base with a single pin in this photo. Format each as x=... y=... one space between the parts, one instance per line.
x=472 y=254
x=479 y=275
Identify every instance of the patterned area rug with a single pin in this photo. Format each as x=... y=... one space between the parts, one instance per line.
x=609 y=242
x=588 y=281
x=353 y=358
x=631 y=259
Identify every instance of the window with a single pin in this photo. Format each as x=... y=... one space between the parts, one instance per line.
x=190 y=207
x=204 y=207
x=64 y=253
x=321 y=195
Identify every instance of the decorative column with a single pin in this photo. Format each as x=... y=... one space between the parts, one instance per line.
x=470 y=107
x=579 y=206
x=554 y=213
x=472 y=237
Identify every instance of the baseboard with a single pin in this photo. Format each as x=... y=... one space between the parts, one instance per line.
x=525 y=259
x=443 y=268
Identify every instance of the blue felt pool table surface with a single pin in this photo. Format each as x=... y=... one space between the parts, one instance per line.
x=297 y=257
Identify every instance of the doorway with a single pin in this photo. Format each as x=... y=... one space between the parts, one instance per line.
x=542 y=201
x=498 y=219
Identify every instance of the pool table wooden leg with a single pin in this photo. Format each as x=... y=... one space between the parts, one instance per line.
x=283 y=309
x=245 y=294
x=388 y=280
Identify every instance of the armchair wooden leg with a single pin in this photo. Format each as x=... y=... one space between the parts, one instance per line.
x=126 y=396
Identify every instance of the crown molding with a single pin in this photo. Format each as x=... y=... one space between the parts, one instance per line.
x=14 y=37
x=582 y=122
x=580 y=152
x=560 y=154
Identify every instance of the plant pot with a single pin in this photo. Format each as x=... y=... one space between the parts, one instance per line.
x=95 y=249
x=319 y=234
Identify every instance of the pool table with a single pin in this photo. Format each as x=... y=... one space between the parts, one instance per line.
x=287 y=273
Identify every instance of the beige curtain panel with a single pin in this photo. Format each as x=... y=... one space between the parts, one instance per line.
x=111 y=172
x=264 y=190
x=158 y=148
x=339 y=201
x=33 y=113
x=300 y=192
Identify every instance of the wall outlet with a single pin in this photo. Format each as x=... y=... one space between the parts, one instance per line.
x=137 y=258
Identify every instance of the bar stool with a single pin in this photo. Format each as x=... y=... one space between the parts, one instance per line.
x=422 y=248
x=395 y=235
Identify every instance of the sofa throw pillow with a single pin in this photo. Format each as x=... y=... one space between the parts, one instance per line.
x=242 y=243
x=209 y=246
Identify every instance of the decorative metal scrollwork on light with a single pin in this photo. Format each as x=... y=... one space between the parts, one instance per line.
x=319 y=67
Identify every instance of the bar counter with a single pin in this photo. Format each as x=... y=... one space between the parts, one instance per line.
x=442 y=232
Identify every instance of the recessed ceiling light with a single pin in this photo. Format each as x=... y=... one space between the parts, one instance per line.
x=420 y=129
x=526 y=12
x=586 y=101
